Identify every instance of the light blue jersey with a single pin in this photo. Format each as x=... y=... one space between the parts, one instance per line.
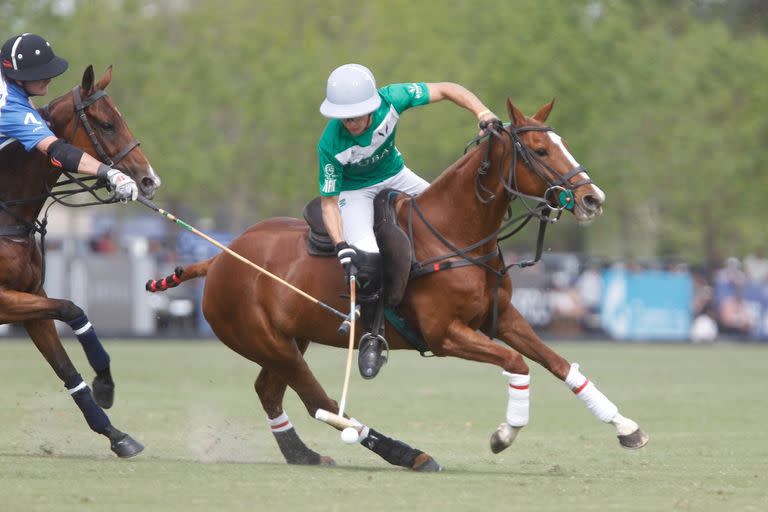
x=19 y=120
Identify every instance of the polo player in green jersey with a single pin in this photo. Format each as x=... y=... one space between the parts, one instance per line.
x=357 y=159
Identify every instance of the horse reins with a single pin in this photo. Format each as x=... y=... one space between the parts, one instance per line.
x=560 y=189
x=26 y=228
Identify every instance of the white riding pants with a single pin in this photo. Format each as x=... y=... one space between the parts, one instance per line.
x=357 y=207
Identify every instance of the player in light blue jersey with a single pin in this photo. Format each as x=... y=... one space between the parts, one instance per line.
x=27 y=65
x=357 y=159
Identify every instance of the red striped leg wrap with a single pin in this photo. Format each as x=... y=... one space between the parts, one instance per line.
x=519 y=403
x=280 y=424
x=595 y=400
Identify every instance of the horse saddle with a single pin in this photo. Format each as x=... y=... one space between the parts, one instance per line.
x=394 y=246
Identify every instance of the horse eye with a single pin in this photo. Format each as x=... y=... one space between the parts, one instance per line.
x=541 y=152
x=107 y=126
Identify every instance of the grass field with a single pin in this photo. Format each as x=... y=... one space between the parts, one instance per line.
x=208 y=447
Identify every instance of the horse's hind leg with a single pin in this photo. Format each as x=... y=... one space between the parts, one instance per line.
x=516 y=332
x=294 y=371
x=271 y=389
x=43 y=334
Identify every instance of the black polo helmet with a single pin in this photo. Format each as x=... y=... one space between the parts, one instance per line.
x=30 y=57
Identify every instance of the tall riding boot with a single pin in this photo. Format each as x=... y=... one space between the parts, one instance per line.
x=372 y=343
x=370 y=357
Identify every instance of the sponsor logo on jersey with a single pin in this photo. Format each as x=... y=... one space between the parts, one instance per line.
x=329 y=186
x=416 y=91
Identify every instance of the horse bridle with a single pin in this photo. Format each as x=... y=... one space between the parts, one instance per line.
x=559 y=189
x=25 y=227
x=559 y=193
x=80 y=106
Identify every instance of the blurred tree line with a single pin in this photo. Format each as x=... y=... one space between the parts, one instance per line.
x=663 y=101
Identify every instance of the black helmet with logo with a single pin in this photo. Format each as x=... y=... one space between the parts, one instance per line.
x=30 y=57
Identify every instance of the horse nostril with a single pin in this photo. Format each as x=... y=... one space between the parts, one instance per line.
x=591 y=203
x=150 y=183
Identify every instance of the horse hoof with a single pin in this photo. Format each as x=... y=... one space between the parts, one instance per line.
x=327 y=461
x=126 y=447
x=426 y=464
x=635 y=440
x=503 y=437
x=103 y=390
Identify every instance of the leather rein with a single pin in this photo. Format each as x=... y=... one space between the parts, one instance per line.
x=557 y=197
x=60 y=191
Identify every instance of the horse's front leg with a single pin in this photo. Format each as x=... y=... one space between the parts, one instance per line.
x=514 y=330
x=462 y=341
x=20 y=307
x=43 y=334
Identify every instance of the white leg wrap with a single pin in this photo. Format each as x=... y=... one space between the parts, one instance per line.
x=280 y=424
x=519 y=403
x=596 y=402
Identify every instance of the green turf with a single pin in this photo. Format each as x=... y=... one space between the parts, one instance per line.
x=208 y=447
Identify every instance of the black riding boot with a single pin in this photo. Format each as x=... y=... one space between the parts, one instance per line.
x=372 y=343
x=370 y=357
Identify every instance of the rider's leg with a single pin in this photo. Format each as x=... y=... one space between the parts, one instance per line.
x=372 y=343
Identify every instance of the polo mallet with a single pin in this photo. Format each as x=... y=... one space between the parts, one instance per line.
x=173 y=218
x=351 y=348
x=350 y=428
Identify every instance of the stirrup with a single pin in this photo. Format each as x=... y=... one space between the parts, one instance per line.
x=370 y=356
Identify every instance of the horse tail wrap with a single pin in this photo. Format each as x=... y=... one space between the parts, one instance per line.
x=180 y=275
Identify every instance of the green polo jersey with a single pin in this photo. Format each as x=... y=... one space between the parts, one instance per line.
x=351 y=163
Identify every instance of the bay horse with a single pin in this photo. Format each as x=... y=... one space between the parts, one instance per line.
x=457 y=298
x=87 y=118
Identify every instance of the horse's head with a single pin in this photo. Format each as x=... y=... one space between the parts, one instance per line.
x=545 y=168
x=88 y=118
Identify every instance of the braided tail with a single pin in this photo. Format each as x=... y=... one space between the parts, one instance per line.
x=180 y=275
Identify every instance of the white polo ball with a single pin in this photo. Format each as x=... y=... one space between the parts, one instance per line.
x=349 y=435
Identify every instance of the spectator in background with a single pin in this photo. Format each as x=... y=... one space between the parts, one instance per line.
x=568 y=310
x=756 y=266
x=104 y=243
x=589 y=286
x=703 y=295
x=704 y=328
x=734 y=314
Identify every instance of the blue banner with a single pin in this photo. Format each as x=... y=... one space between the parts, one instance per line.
x=647 y=305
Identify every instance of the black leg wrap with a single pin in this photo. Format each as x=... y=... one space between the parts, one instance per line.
x=294 y=450
x=103 y=388
x=392 y=451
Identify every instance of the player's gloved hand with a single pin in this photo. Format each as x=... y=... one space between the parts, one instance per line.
x=347 y=256
x=485 y=119
x=124 y=187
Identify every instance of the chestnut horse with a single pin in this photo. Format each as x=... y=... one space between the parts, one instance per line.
x=87 y=118
x=456 y=226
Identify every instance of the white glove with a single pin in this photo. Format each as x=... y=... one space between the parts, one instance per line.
x=125 y=188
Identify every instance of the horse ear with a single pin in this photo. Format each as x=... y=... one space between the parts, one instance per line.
x=544 y=111
x=105 y=79
x=87 y=83
x=515 y=115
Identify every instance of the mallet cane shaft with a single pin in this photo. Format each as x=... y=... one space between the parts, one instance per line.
x=352 y=314
x=193 y=230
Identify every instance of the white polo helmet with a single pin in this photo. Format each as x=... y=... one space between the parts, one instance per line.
x=351 y=92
